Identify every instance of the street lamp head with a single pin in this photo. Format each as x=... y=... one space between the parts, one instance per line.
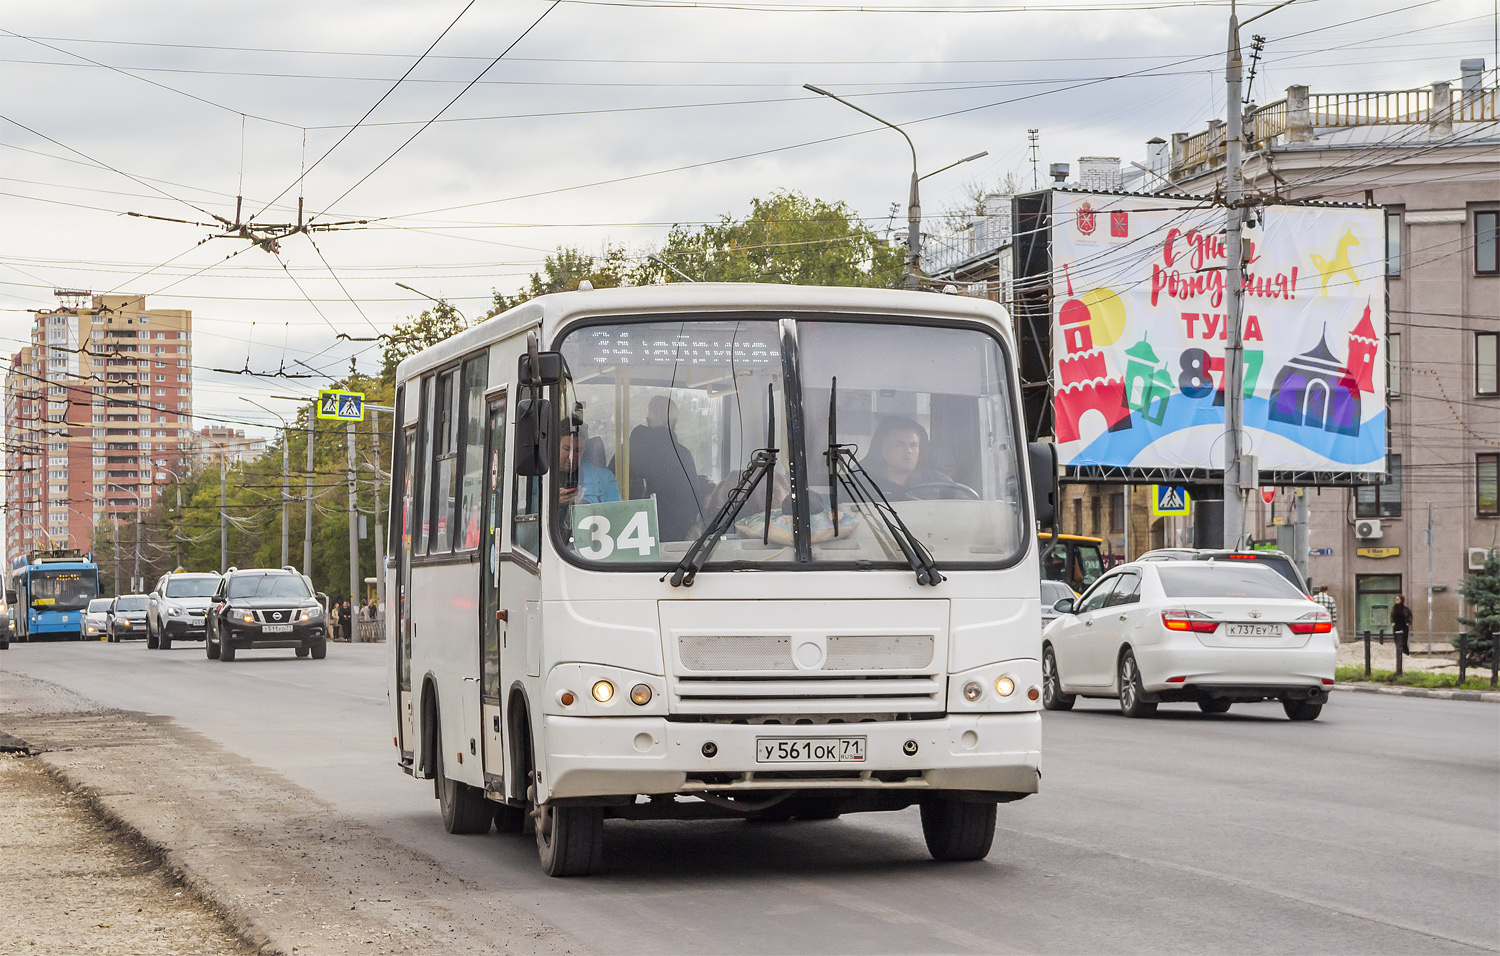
x=818 y=90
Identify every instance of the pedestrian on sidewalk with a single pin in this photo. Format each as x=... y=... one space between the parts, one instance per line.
x=346 y=616
x=1401 y=625
x=1322 y=596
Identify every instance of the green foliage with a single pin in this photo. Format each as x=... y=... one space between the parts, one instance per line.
x=440 y=322
x=565 y=269
x=1432 y=680
x=1481 y=590
x=787 y=238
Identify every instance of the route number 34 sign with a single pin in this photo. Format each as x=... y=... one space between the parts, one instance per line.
x=617 y=531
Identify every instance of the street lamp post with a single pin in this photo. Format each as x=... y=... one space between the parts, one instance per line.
x=914 y=201
x=424 y=295
x=137 y=570
x=286 y=478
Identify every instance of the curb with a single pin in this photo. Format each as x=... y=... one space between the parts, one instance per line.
x=1480 y=696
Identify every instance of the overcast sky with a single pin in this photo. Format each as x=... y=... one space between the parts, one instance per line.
x=607 y=122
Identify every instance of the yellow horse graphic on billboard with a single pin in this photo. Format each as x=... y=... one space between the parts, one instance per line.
x=1328 y=268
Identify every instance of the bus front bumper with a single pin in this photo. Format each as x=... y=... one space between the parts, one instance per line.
x=600 y=756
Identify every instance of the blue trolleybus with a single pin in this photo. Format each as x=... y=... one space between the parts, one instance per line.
x=48 y=592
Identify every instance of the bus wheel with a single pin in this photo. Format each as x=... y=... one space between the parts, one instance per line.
x=955 y=830
x=465 y=810
x=570 y=840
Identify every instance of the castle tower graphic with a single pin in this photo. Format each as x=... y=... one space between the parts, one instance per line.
x=1083 y=382
x=1314 y=391
x=1362 y=347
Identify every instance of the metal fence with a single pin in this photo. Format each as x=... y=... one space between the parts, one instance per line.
x=369 y=632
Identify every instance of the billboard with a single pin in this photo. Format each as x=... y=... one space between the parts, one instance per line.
x=1138 y=310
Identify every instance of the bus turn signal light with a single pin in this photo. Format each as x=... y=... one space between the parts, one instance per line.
x=604 y=691
x=640 y=695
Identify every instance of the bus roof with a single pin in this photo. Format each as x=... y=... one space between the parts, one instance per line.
x=557 y=310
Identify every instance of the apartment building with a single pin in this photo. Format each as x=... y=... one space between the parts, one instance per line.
x=97 y=416
x=216 y=441
x=1429 y=156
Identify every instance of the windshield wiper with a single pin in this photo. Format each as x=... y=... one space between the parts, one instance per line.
x=762 y=464
x=844 y=469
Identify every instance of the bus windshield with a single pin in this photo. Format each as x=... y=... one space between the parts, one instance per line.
x=63 y=590
x=661 y=421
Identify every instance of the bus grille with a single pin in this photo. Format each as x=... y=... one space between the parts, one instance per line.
x=720 y=652
x=805 y=693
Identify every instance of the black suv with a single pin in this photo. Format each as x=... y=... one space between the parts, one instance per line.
x=265 y=607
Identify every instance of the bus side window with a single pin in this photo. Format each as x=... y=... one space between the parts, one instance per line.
x=526 y=519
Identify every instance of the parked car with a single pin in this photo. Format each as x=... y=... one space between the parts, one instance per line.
x=1278 y=561
x=7 y=627
x=126 y=617
x=96 y=619
x=1211 y=632
x=179 y=607
x=1052 y=592
x=265 y=607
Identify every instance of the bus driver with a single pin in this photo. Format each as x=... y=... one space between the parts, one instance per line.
x=579 y=482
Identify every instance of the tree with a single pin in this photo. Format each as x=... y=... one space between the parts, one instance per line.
x=787 y=238
x=1482 y=591
x=440 y=322
x=563 y=270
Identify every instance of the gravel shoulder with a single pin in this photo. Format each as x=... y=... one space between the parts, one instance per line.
x=287 y=872
x=69 y=883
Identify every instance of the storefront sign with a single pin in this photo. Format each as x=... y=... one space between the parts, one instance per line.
x=1377 y=552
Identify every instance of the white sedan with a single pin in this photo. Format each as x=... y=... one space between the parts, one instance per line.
x=1210 y=632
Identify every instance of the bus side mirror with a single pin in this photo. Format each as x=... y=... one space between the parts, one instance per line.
x=532 y=448
x=1065 y=606
x=11 y=596
x=537 y=369
x=1043 y=461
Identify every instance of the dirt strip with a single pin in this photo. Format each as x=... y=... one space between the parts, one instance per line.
x=275 y=860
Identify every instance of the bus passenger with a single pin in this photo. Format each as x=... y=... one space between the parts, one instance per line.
x=897 y=451
x=661 y=465
x=579 y=482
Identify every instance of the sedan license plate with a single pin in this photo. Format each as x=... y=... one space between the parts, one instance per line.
x=809 y=749
x=277 y=629
x=1253 y=630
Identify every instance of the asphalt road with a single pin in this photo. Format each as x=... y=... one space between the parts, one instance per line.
x=1375 y=829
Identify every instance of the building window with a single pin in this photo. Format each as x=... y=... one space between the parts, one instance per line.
x=1487 y=484
x=1486 y=242
x=1094 y=517
x=1487 y=363
x=1383 y=500
x=1393 y=364
x=1393 y=243
x=1078 y=516
x=1117 y=513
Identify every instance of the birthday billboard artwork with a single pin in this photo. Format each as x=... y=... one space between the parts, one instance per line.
x=1139 y=310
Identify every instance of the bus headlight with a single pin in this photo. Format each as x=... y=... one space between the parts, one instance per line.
x=604 y=691
x=640 y=695
x=1004 y=686
x=972 y=691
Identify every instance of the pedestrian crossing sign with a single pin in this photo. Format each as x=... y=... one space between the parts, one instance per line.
x=341 y=406
x=1170 y=500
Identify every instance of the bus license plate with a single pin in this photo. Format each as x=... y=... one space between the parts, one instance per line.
x=1253 y=630
x=277 y=629
x=809 y=749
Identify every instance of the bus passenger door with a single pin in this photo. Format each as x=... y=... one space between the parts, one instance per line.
x=492 y=616
x=401 y=604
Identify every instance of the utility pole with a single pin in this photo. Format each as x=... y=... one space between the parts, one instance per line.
x=286 y=495
x=178 y=534
x=223 y=516
x=116 y=536
x=1429 y=579
x=135 y=575
x=1234 y=368
x=1031 y=136
x=312 y=426
x=353 y=527
x=379 y=531
x=1300 y=544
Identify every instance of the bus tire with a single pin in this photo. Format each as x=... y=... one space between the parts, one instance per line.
x=955 y=830
x=320 y=650
x=1053 y=697
x=570 y=840
x=464 y=808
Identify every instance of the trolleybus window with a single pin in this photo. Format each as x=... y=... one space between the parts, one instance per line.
x=424 y=442
x=445 y=453
x=662 y=420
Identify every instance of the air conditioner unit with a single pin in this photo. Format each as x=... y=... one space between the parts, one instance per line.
x=1477 y=557
x=1367 y=529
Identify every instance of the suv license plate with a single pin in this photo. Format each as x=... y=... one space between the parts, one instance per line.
x=809 y=749
x=1253 y=630
x=277 y=629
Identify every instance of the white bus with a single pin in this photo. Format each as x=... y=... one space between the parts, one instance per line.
x=719 y=551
